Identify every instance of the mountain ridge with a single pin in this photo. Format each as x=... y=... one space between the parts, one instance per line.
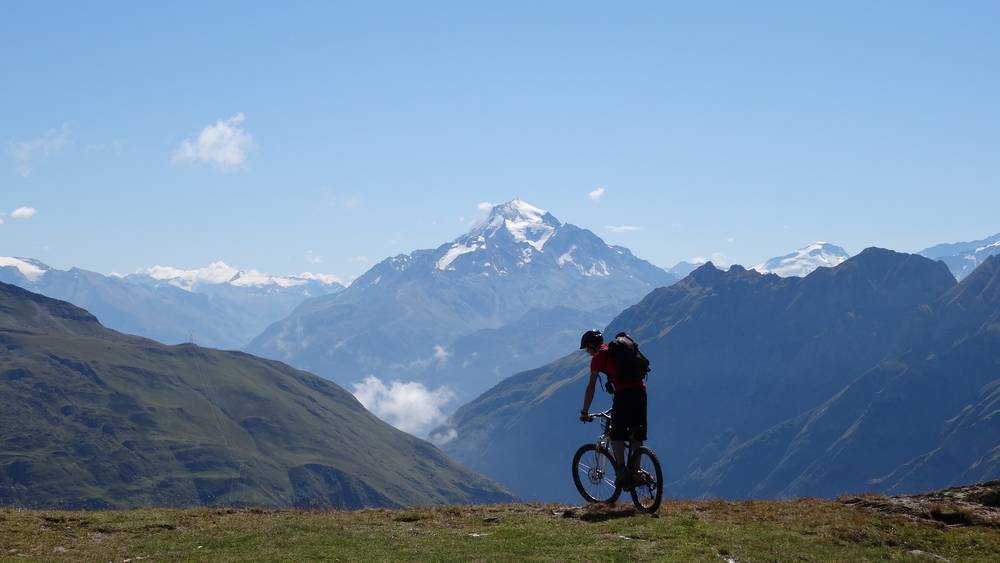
x=740 y=361
x=402 y=318
x=92 y=418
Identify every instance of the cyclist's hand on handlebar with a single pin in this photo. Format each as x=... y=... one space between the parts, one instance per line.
x=584 y=417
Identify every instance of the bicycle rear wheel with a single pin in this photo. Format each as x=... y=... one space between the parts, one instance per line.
x=648 y=491
x=594 y=474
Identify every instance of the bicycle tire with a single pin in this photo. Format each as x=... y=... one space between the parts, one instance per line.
x=648 y=494
x=595 y=473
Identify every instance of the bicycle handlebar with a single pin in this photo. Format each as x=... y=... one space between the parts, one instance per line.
x=605 y=414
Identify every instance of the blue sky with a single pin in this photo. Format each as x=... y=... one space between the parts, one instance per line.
x=356 y=131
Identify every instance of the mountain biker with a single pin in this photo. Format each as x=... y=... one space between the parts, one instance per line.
x=628 y=417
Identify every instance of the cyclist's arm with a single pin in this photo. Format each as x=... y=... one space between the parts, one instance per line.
x=588 y=396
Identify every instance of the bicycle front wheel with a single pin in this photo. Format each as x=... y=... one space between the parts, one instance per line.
x=594 y=474
x=648 y=490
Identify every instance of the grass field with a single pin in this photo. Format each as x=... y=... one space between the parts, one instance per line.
x=800 y=530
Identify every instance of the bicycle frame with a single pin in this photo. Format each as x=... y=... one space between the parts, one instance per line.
x=604 y=440
x=645 y=484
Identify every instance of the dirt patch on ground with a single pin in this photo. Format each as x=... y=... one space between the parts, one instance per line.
x=971 y=505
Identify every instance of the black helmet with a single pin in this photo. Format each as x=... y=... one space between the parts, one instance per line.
x=591 y=337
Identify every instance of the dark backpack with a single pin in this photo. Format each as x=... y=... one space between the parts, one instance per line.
x=631 y=364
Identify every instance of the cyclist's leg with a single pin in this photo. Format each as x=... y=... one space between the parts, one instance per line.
x=633 y=464
x=618 y=447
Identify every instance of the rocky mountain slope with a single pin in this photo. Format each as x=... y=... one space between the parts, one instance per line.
x=873 y=374
x=405 y=317
x=217 y=306
x=92 y=418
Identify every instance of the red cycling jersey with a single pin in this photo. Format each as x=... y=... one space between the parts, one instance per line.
x=602 y=363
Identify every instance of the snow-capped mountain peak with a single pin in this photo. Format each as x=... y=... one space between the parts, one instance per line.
x=804 y=260
x=28 y=267
x=221 y=273
x=525 y=223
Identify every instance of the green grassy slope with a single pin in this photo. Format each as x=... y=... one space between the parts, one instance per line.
x=91 y=418
x=801 y=530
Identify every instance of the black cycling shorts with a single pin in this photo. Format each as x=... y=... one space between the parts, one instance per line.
x=628 y=419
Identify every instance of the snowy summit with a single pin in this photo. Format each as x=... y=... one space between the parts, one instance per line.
x=804 y=260
x=221 y=273
x=525 y=222
x=29 y=268
x=517 y=220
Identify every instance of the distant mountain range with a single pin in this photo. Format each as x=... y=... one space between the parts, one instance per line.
x=877 y=374
x=440 y=316
x=217 y=306
x=964 y=257
x=92 y=419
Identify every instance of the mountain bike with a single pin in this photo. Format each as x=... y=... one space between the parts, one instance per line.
x=595 y=471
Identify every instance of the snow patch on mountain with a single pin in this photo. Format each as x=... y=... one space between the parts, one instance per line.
x=804 y=260
x=31 y=269
x=457 y=250
x=988 y=247
x=964 y=257
x=598 y=269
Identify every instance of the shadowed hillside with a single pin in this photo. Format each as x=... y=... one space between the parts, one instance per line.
x=91 y=418
x=876 y=374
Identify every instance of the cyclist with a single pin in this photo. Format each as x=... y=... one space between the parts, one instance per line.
x=628 y=417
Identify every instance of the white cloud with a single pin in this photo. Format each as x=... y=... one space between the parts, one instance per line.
x=1 y=220
x=622 y=228
x=313 y=258
x=730 y=240
x=352 y=202
x=485 y=206
x=442 y=438
x=23 y=213
x=223 y=144
x=27 y=153
x=441 y=354
x=596 y=194
x=410 y=406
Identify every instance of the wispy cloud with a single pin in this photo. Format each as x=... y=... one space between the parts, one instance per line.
x=441 y=354
x=596 y=194
x=313 y=258
x=484 y=206
x=224 y=144
x=27 y=153
x=23 y=213
x=359 y=259
x=622 y=228
x=409 y=406
x=352 y=202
